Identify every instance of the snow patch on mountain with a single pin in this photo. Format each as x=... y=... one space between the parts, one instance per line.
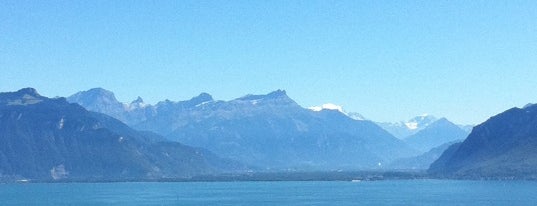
x=327 y=106
x=334 y=107
x=420 y=122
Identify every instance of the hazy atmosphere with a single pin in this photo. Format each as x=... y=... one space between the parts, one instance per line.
x=388 y=60
x=268 y=102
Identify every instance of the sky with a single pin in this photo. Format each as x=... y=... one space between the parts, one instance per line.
x=388 y=60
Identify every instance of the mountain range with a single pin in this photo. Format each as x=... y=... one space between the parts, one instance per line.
x=270 y=131
x=59 y=139
x=404 y=129
x=51 y=139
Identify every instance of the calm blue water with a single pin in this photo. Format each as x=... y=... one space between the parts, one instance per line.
x=405 y=192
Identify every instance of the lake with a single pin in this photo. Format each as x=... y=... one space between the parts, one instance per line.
x=388 y=192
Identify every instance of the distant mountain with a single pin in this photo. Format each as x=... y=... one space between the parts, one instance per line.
x=51 y=139
x=502 y=147
x=99 y=100
x=169 y=114
x=435 y=134
x=273 y=132
x=404 y=129
x=104 y=101
x=422 y=161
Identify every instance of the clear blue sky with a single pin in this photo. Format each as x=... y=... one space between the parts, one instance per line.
x=389 y=60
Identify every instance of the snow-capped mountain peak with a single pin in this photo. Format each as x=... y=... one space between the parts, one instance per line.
x=404 y=129
x=335 y=107
x=420 y=122
x=411 y=125
x=327 y=106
